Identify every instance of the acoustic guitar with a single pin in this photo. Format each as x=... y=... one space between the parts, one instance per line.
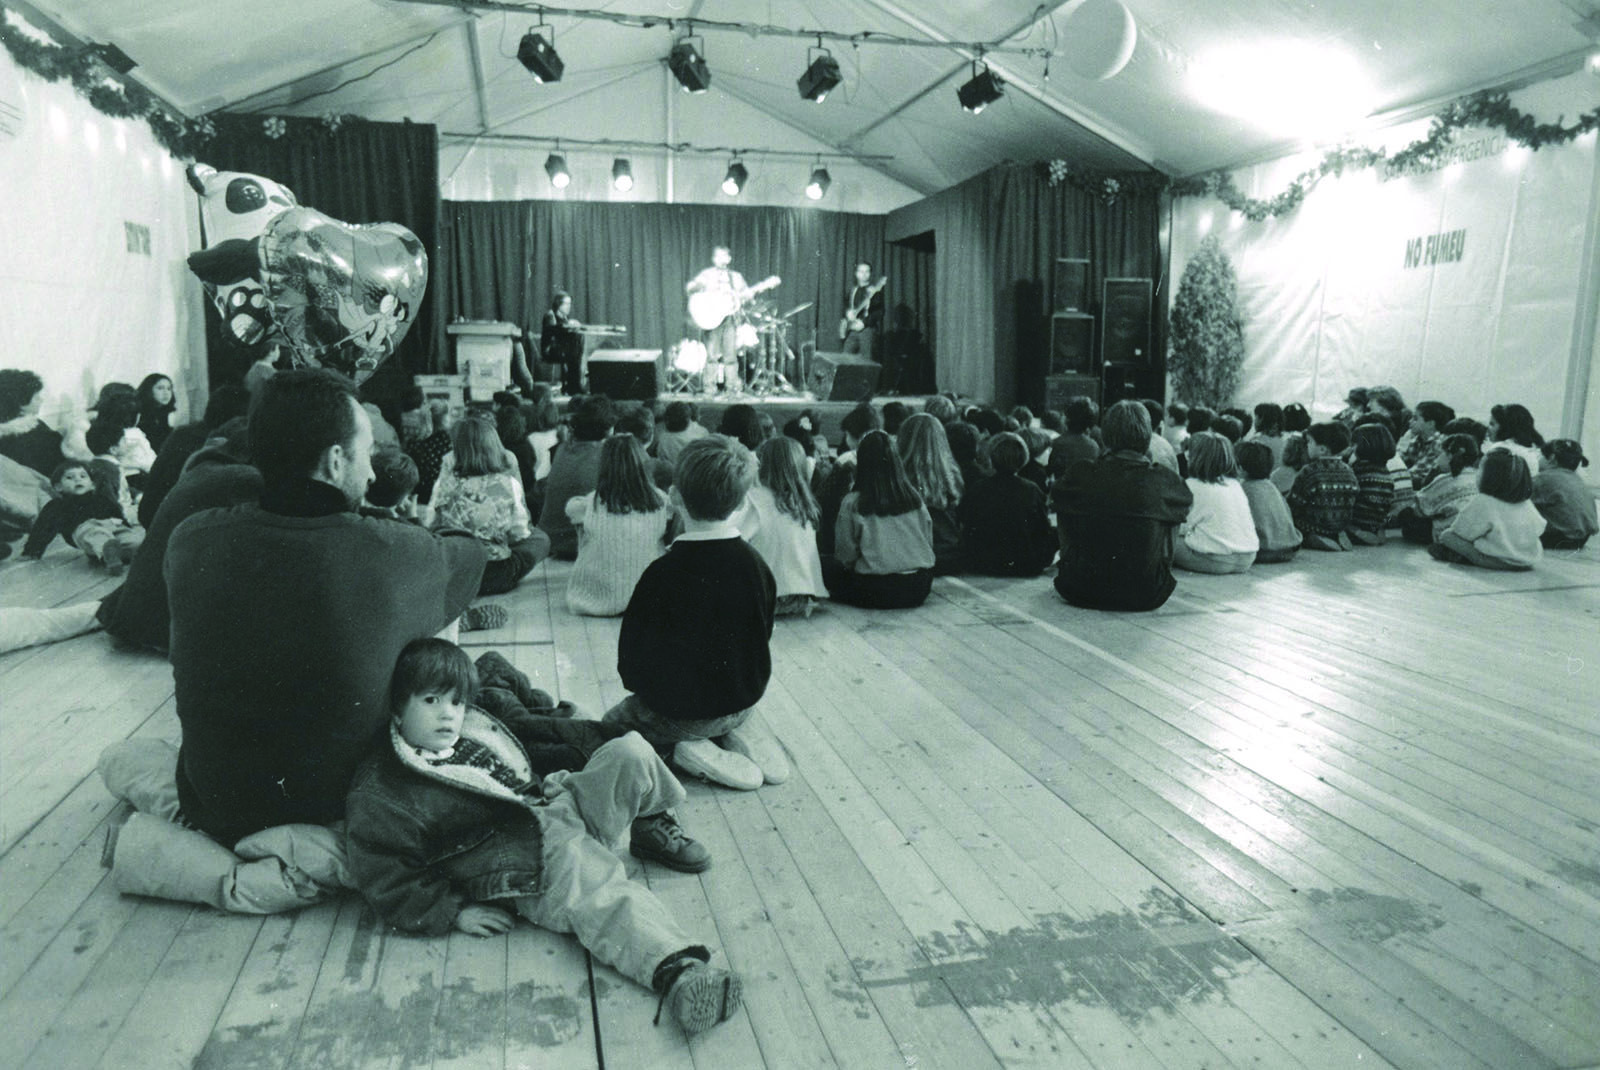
x=709 y=308
x=852 y=319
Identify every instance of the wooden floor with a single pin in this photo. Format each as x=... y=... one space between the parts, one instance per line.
x=1338 y=813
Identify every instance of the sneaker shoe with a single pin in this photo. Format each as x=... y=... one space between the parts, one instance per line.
x=1344 y=541
x=760 y=747
x=659 y=838
x=704 y=759
x=1367 y=538
x=484 y=617
x=702 y=996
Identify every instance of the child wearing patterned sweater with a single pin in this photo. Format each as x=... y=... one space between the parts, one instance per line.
x=450 y=826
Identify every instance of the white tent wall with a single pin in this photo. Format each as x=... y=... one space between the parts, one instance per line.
x=96 y=219
x=1462 y=284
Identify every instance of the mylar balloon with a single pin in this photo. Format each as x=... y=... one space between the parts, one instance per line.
x=343 y=296
x=239 y=206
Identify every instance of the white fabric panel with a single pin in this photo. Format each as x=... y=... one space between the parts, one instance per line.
x=1330 y=303
x=76 y=305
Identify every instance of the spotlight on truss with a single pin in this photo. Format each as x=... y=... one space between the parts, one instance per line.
x=556 y=167
x=819 y=78
x=817 y=188
x=984 y=88
x=539 y=56
x=689 y=67
x=622 y=174
x=733 y=182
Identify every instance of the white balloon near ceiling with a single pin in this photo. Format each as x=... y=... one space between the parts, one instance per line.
x=1098 y=38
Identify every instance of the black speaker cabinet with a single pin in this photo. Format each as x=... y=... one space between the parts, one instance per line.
x=1071 y=344
x=1071 y=293
x=1125 y=322
x=1060 y=389
x=842 y=377
x=625 y=374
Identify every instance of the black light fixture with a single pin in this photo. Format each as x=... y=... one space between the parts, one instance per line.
x=556 y=167
x=539 y=55
x=820 y=77
x=114 y=57
x=817 y=188
x=622 y=174
x=984 y=89
x=688 y=66
x=733 y=182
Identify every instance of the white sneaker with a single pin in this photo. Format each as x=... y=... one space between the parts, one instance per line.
x=759 y=745
x=704 y=759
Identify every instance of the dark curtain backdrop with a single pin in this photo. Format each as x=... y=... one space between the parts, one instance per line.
x=364 y=172
x=628 y=263
x=912 y=311
x=997 y=236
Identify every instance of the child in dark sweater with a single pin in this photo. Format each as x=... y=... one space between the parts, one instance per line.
x=452 y=816
x=1372 y=447
x=694 y=645
x=86 y=517
x=1324 y=493
x=1004 y=523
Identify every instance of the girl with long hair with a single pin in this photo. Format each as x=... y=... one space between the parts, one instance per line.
x=623 y=524
x=883 y=538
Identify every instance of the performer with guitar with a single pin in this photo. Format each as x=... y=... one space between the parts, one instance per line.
x=863 y=317
x=560 y=343
x=715 y=297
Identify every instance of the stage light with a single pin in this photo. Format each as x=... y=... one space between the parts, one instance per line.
x=556 y=167
x=983 y=89
x=622 y=174
x=539 y=56
x=819 y=78
x=817 y=188
x=689 y=67
x=735 y=179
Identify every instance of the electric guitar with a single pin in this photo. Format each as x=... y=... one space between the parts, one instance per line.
x=709 y=308
x=852 y=319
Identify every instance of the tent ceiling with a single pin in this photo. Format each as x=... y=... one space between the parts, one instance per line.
x=457 y=68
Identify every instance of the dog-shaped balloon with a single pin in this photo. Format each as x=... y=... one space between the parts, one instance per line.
x=336 y=296
x=237 y=206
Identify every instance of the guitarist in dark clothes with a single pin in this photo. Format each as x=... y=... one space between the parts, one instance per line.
x=863 y=317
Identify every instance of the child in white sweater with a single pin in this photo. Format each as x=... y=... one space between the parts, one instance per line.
x=623 y=525
x=1499 y=527
x=1219 y=535
x=779 y=521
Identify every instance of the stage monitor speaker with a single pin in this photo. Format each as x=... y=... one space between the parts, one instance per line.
x=1071 y=344
x=842 y=377
x=625 y=374
x=1125 y=322
x=1071 y=285
x=1060 y=389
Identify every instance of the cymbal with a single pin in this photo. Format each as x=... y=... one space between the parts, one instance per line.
x=796 y=310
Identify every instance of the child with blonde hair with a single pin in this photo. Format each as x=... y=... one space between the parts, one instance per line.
x=932 y=471
x=623 y=524
x=1219 y=535
x=779 y=521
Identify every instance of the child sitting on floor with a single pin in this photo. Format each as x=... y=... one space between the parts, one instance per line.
x=1372 y=448
x=1438 y=503
x=623 y=525
x=1563 y=498
x=392 y=494
x=1004 y=523
x=1219 y=535
x=883 y=539
x=694 y=644
x=1279 y=538
x=779 y=521
x=1324 y=492
x=450 y=817
x=479 y=492
x=1288 y=467
x=1499 y=527
x=86 y=517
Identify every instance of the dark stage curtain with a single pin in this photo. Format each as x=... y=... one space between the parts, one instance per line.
x=997 y=236
x=364 y=172
x=628 y=263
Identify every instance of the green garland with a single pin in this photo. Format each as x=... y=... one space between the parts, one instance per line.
x=1492 y=110
x=97 y=83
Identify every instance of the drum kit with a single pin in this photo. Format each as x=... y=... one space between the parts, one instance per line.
x=761 y=335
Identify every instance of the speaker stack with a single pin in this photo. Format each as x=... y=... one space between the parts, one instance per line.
x=842 y=376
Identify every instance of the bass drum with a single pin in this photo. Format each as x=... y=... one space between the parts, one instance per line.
x=745 y=336
x=689 y=356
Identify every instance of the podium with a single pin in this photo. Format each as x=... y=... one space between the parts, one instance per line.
x=483 y=355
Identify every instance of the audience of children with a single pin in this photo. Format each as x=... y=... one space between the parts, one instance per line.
x=779 y=521
x=1004 y=522
x=623 y=525
x=1563 y=498
x=1498 y=527
x=1275 y=531
x=455 y=823
x=693 y=651
x=1323 y=496
x=1219 y=534
x=479 y=492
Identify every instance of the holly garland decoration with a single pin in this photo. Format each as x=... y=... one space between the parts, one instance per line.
x=1489 y=110
x=82 y=65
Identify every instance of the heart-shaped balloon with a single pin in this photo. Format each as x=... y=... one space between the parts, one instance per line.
x=343 y=296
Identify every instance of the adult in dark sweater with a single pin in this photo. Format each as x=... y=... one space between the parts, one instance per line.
x=226 y=403
x=693 y=649
x=1116 y=518
x=287 y=616
x=573 y=473
x=24 y=437
x=218 y=476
